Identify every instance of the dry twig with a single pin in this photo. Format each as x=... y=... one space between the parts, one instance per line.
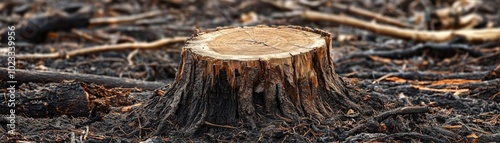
x=370 y=14
x=86 y=36
x=419 y=75
x=107 y=81
x=417 y=49
x=97 y=49
x=121 y=19
x=217 y=125
x=379 y=118
x=480 y=35
x=420 y=136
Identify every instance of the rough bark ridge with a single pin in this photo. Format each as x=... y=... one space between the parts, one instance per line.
x=281 y=72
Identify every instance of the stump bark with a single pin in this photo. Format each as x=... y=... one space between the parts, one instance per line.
x=239 y=76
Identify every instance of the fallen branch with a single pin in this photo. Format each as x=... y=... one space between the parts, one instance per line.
x=86 y=36
x=489 y=138
x=217 y=125
x=436 y=130
x=480 y=35
x=106 y=81
x=97 y=49
x=35 y=29
x=68 y=98
x=125 y=109
x=414 y=135
x=469 y=88
x=121 y=19
x=370 y=14
x=419 y=75
x=418 y=49
x=401 y=111
x=374 y=121
x=456 y=91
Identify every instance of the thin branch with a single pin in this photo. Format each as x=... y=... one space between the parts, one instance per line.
x=86 y=36
x=480 y=35
x=217 y=125
x=370 y=14
x=121 y=19
x=104 y=48
x=418 y=49
x=489 y=137
x=130 y=56
x=414 y=135
x=106 y=81
x=381 y=117
x=419 y=75
x=402 y=111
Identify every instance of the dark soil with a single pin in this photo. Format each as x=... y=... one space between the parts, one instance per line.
x=419 y=91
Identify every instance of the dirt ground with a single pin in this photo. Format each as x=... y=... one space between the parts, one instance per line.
x=420 y=90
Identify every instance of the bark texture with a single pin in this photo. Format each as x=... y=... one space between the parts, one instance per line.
x=71 y=99
x=220 y=89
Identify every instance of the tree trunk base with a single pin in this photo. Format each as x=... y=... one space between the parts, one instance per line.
x=233 y=77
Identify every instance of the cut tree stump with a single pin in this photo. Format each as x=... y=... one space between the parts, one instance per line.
x=232 y=76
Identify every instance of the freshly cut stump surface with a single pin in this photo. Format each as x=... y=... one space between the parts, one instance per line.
x=236 y=76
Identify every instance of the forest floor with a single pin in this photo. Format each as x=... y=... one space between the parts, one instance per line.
x=423 y=90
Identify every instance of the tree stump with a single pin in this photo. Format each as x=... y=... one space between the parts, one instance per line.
x=229 y=75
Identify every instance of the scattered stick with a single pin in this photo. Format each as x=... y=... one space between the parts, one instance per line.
x=456 y=91
x=442 y=131
x=122 y=19
x=370 y=14
x=68 y=98
x=460 y=15
x=452 y=127
x=494 y=96
x=86 y=36
x=419 y=75
x=416 y=50
x=382 y=78
x=463 y=22
x=493 y=74
x=402 y=111
x=130 y=56
x=217 y=125
x=414 y=135
x=458 y=8
x=97 y=49
x=480 y=35
x=471 y=89
x=287 y=5
x=125 y=109
x=381 y=117
x=489 y=138
x=100 y=59
x=106 y=81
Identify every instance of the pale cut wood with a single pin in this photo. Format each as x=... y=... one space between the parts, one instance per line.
x=249 y=43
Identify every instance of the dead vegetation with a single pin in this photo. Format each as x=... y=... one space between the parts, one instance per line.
x=429 y=70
